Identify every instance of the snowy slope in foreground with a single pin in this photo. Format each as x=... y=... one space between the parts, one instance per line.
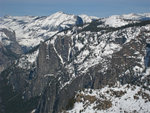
x=117 y=99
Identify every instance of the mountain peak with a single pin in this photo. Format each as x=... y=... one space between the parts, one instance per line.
x=60 y=13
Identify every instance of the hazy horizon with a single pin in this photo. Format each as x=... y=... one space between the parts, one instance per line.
x=99 y=8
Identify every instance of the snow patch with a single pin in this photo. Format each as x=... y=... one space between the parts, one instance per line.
x=26 y=61
x=115 y=21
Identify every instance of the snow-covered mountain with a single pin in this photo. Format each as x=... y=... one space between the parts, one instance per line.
x=88 y=19
x=99 y=66
x=30 y=30
x=121 y=20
